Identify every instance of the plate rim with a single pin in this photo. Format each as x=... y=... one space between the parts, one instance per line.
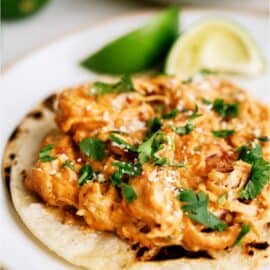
x=89 y=26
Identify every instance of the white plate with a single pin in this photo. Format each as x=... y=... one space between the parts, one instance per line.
x=54 y=67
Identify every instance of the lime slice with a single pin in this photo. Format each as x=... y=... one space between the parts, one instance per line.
x=17 y=9
x=138 y=50
x=217 y=45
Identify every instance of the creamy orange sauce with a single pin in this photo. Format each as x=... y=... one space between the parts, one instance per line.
x=155 y=219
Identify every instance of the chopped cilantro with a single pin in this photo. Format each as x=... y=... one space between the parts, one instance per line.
x=195 y=113
x=244 y=231
x=264 y=139
x=128 y=192
x=160 y=108
x=122 y=143
x=165 y=162
x=69 y=164
x=223 y=133
x=188 y=127
x=44 y=153
x=151 y=146
x=170 y=115
x=260 y=171
x=225 y=109
x=125 y=168
x=154 y=125
x=93 y=148
x=86 y=174
x=196 y=206
x=206 y=101
x=124 y=85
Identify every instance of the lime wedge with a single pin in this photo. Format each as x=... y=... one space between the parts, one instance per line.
x=17 y=9
x=138 y=50
x=217 y=45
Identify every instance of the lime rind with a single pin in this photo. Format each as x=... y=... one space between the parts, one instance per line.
x=138 y=50
x=216 y=44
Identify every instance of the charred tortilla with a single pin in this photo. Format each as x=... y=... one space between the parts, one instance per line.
x=70 y=237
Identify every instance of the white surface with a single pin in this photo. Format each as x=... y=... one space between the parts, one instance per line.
x=62 y=16
x=57 y=18
x=54 y=67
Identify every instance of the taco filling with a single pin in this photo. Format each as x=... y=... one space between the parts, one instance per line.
x=160 y=163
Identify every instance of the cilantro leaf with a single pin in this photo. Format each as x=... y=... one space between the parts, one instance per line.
x=206 y=101
x=150 y=147
x=86 y=174
x=69 y=164
x=170 y=115
x=196 y=206
x=44 y=153
x=195 y=113
x=93 y=148
x=124 y=85
x=124 y=168
x=154 y=125
x=122 y=143
x=244 y=231
x=260 y=171
x=128 y=192
x=186 y=129
x=223 y=133
x=225 y=109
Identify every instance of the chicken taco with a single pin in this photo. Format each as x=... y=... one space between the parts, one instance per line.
x=149 y=173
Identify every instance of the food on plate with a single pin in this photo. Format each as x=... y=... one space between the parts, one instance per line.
x=146 y=173
x=218 y=45
x=138 y=50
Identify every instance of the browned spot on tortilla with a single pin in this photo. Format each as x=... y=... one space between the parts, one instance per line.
x=35 y=114
x=176 y=252
x=14 y=133
x=7 y=171
x=49 y=102
x=12 y=156
x=141 y=251
x=250 y=252
x=23 y=173
x=259 y=245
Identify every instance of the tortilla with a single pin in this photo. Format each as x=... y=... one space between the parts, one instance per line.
x=79 y=246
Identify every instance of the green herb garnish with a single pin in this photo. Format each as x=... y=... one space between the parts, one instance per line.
x=260 y=171
x=124 y=85
x=45 y=153
x=223 y=133
x=195 y=113
x=128 y=192
x=206 y=101
x=244 y=231
x=196 y=206
x=170 y=115
x=125 y=168
x=86 y=174
x=188 y=127
x=154 y=125
x=93 y=148
x=69 y=164
x=122 y=143
x=224 y=109
x=151 y=146
x=165 y=162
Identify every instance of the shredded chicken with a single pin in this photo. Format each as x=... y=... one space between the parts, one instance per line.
x=155 y=218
